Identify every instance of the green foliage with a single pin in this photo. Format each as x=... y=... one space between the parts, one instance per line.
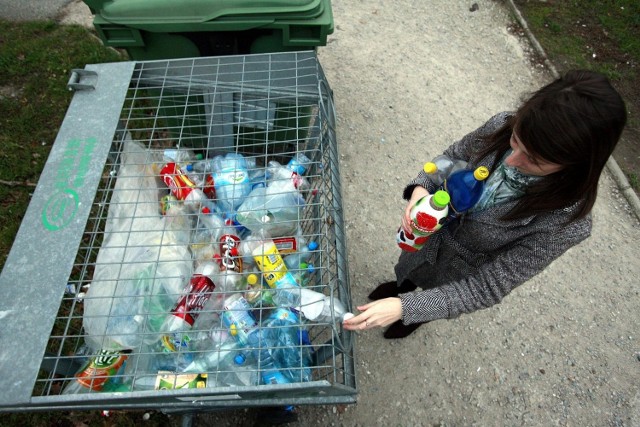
x=36 y=59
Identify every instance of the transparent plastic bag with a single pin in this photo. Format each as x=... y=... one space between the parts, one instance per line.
x=143 y=263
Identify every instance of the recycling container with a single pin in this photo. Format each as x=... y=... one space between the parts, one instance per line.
x=265 y=107
x=164 y=29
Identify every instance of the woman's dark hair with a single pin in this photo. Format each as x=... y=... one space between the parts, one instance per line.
x=575 y=121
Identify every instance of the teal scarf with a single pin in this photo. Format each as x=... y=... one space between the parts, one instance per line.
x=503 y=185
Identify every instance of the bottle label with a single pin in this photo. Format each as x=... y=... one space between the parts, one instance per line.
x=100 y=369
x=179 y=184
x=270 y=263
x=286 y=245
x=238 y=319
x=229 y=247
x=193 y=300
x=171 y=381
x=167 y=202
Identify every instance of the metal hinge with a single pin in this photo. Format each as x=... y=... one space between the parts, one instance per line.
x=77 y=75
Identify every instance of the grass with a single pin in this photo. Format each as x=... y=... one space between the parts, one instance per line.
x=35 y=63
x=599 y=35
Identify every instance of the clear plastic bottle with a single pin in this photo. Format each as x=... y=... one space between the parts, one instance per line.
x=244 y=327
x=202 y=180
x=285 y=334
x=465 y=188
x=442 y=166
x=287 y=176
x=275 y=209
x=294 y=260
x=231 y=180
x=428 y=215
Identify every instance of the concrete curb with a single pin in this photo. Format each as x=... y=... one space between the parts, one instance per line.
x=612 y=165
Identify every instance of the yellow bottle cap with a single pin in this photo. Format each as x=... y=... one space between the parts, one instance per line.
x=430 y=168
x=481 y=173
x=252 y=279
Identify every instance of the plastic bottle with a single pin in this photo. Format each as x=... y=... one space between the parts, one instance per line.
x=256 y=294
x=181 y=186
x=231 y=180
x=229 y=248
x=299 y=163
x=428 y=215
x=275 y=209
x=465 y=188
x=225 y=365
x=202 y=180
x=244 y=328
x=285 y=333
x=294 y=260
x=188 y=307
x=318 y=307
x=97 y=372
x=286 y=175
x=441 y=167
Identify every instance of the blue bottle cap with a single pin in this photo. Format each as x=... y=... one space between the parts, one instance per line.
x=239 y=359
x=313 y=246
x=189 y=167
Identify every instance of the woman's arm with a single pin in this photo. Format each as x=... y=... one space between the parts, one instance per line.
x=495 y=279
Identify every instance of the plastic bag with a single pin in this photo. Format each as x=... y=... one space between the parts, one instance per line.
x=143 y=263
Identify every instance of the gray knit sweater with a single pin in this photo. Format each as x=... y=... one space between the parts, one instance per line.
x=478 y=259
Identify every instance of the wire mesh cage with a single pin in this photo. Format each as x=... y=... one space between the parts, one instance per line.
x=189 y=226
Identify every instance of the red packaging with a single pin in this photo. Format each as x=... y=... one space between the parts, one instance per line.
x=193 y=300
x=179 y=184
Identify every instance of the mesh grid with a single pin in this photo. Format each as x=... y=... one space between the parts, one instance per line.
x=266 y=108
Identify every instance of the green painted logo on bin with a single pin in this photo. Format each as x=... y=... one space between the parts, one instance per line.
x=63 y=203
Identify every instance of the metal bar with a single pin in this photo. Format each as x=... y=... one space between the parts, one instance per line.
x=40 y=260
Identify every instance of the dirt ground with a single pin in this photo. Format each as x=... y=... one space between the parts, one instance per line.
x=410 y=77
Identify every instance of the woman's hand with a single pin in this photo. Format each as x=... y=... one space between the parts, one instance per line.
x=375 y=314
x=417 y=194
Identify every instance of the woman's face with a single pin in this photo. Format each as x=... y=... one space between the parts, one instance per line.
x=526 y=163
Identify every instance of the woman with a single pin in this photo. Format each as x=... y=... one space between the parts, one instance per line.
x=545 y=159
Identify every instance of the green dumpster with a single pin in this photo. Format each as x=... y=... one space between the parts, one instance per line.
x=165 y=29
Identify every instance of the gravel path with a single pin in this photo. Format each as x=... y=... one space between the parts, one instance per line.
x=409 y=78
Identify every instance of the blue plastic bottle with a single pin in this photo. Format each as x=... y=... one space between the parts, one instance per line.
x=465 y=188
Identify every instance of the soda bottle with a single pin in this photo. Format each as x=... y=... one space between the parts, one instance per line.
x=229 y=241
x=231 y=180
x=188 y=307
x=428 y=215
x=465 y=188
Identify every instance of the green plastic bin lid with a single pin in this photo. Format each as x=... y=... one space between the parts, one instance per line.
x=180 y=11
